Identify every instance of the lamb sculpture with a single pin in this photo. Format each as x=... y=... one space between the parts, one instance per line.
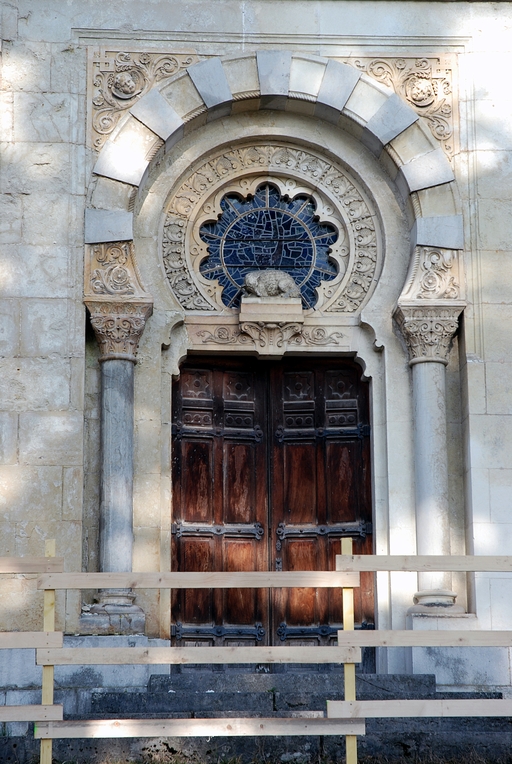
x=270 y=283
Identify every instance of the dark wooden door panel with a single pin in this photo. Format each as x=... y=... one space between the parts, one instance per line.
x=271 y=467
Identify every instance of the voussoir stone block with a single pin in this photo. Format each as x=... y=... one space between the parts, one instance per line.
x=393 y=117
x=119 y=163
x=306 y=75
x=431 y=169
x=274 y=75
x=443 y=231
x=211 y=83
x=157 y=114
x=365 y=100
x=108 y=225
x=338 y=82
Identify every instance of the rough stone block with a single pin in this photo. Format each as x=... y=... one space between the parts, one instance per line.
x=34 y=383
x=156 y=113
x=38 y=209
x=338 y=82
x=414 y=143
x=51 y=438
x=274 y=77
x=29 y=271
x=108 y=225
x=8 y=437
x=9 y=23
x=35 y=168
x=10 y=217
x=443 y=231
x=72 y=494
x=43 y=116
x=438 y=201
x=24 y=488
x=432 y=169
x=9 y=327
x=44 y=327
x=111 y=195
x=393 y=117
x=210 y=81
x=306 y=75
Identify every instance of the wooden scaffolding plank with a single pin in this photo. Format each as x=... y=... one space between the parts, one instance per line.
x=31 y=565
x=207 y=580
x=454 y=563
x=384 y=638
x=360 y=709
x=92 y=656
x=30 y=713
x=15 y=639
x=227 y=727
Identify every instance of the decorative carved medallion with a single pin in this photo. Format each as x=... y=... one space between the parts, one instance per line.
x=118 y=327
x=296 y=172
x=434 y=275
x=425 y=84
x=120 y=78
x=428 y=331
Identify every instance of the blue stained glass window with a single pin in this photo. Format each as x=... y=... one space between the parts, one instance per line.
x=265 y=231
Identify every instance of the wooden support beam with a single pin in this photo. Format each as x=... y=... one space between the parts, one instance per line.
x=30 y=713
x=92 y=656
x=46 y=746
x=227 y=727
x=424 y=563
x=207 y=580
x=384 y=638
x=16 y=565
x=349 y=669
x=384 y=709
x=15 y=639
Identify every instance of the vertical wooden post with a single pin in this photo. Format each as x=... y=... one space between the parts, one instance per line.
x=48 y=671
x=349 y=668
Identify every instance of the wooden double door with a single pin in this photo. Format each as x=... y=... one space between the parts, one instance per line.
x=271 y=467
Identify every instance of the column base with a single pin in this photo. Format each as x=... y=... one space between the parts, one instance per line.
x=114 y=613
x=434 y=602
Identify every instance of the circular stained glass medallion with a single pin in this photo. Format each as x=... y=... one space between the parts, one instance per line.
x=265 y=231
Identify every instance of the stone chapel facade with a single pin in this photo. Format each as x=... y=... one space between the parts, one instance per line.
x=255 y=298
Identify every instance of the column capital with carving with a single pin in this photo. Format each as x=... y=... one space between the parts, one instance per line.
x=428 y=330
x=118 y=326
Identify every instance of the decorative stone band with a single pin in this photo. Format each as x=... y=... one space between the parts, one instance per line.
x=118 y=327
x=428 y=331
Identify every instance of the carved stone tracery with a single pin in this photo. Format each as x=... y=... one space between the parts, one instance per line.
x=339 y=200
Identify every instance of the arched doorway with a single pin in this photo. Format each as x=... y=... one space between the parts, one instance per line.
x=271 y=467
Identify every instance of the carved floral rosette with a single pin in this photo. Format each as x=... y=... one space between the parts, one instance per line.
x=339 y=200
x=428 y=330
x=118 y=327
x=111 y=271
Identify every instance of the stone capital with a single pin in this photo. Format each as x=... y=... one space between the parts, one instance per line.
x=118 y=327
x=428 y=331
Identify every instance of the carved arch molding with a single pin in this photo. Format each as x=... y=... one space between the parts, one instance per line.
x=157 y=121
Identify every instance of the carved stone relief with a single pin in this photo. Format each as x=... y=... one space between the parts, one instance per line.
x=434 y=275
x=426 y=84
x=428 y=331
x=338 y=199
x=269 y=339
x=118 y=327
x=120 y=78
x=111 y=270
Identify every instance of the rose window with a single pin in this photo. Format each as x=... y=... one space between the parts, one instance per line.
x=268 y=230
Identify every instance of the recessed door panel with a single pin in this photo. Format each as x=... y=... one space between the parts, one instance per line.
x=270 y=470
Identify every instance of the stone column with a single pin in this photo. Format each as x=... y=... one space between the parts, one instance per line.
x=118 y=327
x=428 y=332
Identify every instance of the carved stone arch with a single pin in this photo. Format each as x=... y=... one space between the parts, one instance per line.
x=277 y=80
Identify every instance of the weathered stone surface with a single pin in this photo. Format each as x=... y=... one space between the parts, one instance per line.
x=51 y=438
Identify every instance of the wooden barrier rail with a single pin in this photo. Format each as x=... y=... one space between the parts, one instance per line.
x=10 y=640
x=343 y=717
